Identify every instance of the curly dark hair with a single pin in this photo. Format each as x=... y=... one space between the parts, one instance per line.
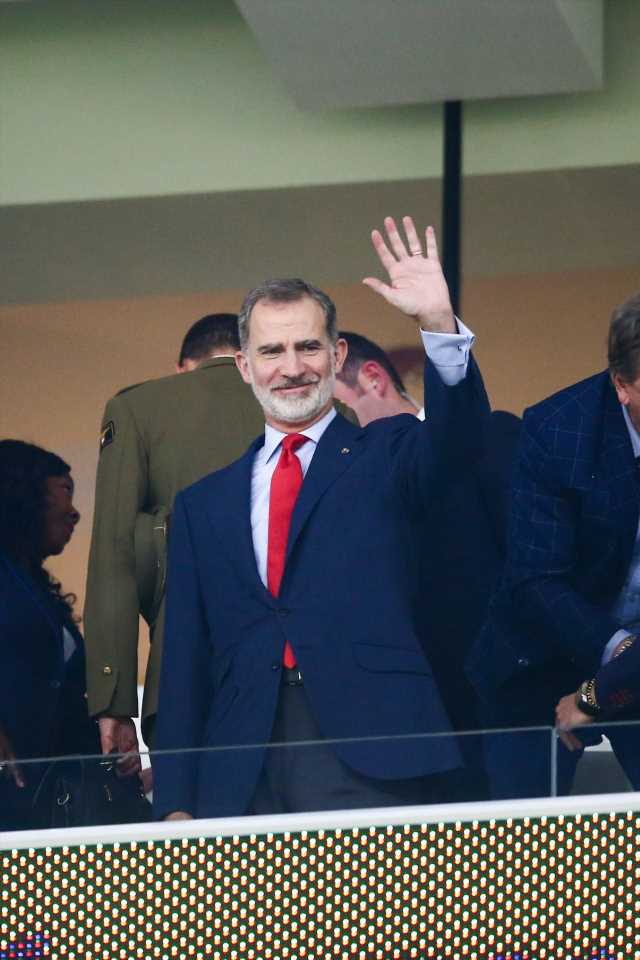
x=24 y=471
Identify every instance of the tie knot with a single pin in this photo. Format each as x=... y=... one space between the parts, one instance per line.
x=293 y=441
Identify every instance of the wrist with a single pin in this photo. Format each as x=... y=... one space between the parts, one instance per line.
x=586 y=700
x=438 y=322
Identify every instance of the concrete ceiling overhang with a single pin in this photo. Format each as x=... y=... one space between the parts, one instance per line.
x=365 y=53
x=513 y=224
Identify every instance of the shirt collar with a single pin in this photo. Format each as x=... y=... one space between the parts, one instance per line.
x=273 y=438
x=215 y=361
x=633 y=433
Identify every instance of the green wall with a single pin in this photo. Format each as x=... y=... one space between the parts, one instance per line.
x=147 y=97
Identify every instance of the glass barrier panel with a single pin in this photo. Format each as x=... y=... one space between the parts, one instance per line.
x=319 y=775
x=603 y=757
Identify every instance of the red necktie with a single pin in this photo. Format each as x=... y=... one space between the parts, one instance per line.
x=285 y=486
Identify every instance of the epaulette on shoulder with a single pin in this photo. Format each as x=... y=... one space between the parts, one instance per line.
x=127 y=389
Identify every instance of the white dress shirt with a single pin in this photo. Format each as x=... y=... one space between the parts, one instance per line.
x=68 y=644
x=449 y=353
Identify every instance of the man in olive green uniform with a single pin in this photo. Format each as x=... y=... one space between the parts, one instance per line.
x=157 y=437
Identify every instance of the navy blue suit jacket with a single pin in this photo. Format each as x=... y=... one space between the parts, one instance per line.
x=347 y=605
x=42 y=703
x=574 y=519
x=43 y=708
x=465 y=548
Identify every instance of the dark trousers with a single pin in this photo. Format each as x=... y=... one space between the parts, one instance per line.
x=299 y=778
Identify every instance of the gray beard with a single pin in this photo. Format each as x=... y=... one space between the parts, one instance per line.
x=295 y=409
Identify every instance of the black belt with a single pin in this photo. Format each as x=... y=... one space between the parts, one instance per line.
x=291 y=677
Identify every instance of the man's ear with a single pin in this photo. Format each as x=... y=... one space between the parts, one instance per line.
x=243 y=366
x=188 y=366
x=621 y=389
x=372 y=376
x=341 y=350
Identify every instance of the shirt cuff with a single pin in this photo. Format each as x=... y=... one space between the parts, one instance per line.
x=607 y=653
x=449 y=352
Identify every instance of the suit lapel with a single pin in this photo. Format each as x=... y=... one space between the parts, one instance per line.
x=619 y=468
x=617 y=450
x=233 y=519
x=338 y=448
x=38 y=604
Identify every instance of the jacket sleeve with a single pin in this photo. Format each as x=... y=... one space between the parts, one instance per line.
x=111 y=605
x=618 y=683
x=434 y=453
x=542 y=559
x=185 y=685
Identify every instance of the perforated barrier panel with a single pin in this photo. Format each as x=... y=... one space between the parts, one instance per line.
x=535 y=888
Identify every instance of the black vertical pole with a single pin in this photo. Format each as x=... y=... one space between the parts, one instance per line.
x=452 y=199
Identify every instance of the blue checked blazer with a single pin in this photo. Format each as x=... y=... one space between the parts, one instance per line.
x=573 y=525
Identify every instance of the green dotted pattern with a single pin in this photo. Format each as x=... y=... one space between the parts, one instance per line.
x=548 y=888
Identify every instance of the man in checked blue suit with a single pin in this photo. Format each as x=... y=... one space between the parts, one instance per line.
x=324 y=649
x=570 y=596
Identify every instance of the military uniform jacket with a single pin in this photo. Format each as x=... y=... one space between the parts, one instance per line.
x=157 y=437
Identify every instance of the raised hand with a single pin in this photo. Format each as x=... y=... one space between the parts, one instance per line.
x=417 y=284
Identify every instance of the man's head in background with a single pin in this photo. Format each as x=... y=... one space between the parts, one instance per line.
x=369 y=383
x=215 y=335
x=624 y=356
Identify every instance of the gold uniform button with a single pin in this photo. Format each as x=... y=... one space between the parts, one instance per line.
x=107 y=671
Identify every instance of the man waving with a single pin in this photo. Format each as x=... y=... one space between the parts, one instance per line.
x=291 y=587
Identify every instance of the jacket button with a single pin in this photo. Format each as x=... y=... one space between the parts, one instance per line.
x=107 y=671
x=284 y=611
x=55 y=684
x=523 y=661
x=275 y=666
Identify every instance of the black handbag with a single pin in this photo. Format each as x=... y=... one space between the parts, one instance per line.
x=86 y=793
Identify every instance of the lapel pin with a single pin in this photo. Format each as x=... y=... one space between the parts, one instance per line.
x=345 y=450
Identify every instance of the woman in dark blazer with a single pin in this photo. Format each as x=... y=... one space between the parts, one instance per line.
x=43 y=710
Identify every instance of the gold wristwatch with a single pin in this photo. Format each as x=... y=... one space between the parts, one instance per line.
x=586 y=699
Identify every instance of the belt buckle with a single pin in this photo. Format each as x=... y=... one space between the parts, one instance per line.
x=292 y=677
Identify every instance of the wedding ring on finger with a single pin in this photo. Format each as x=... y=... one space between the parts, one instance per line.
x=416 y=253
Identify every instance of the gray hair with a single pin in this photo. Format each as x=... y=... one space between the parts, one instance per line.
x=624 y=340
x=285 y=291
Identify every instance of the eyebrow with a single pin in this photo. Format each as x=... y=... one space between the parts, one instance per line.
x=279 y=347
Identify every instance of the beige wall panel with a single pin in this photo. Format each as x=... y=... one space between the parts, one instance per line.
x=157 y=97
x=62 y=362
